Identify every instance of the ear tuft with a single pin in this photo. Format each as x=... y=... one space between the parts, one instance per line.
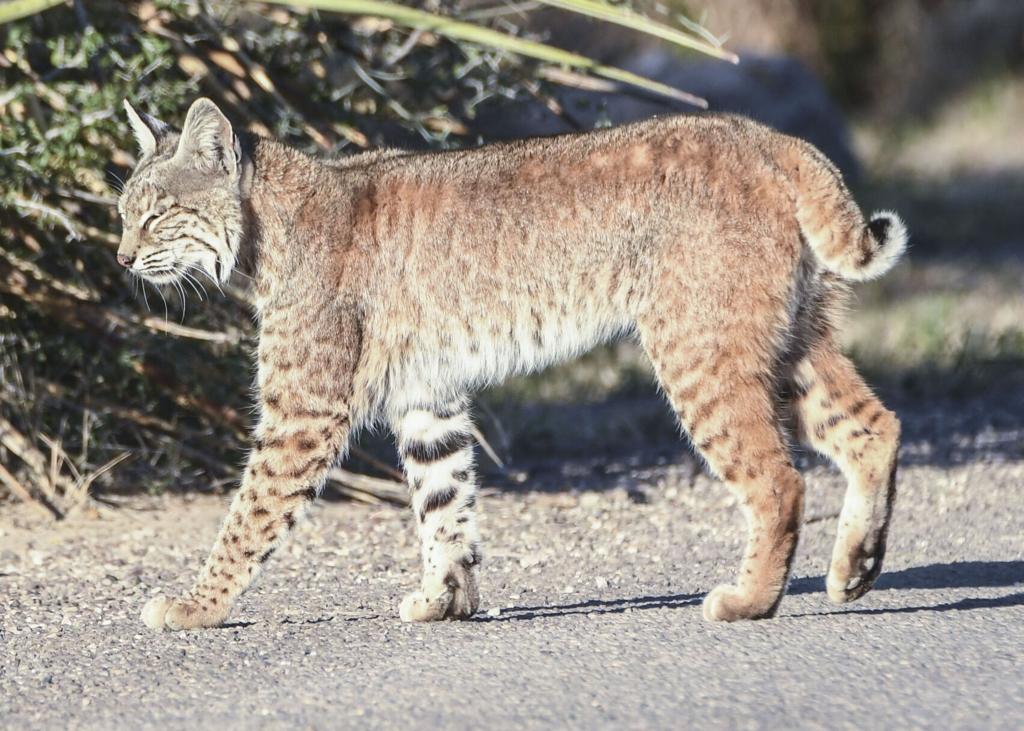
x=148 y=130
x=208 y=141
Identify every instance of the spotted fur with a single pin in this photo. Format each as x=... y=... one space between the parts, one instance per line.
x=391 y=285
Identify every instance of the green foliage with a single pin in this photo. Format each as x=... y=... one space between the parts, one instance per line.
x=473 y=33
x=105 y=368
x=64 y=90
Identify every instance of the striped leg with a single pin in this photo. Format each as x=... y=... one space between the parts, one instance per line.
x=719 y=380
x=841 y=418
x=437 y=451
x=306 y=417
x=284 y=474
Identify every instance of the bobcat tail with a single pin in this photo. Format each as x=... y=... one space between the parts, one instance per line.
x=833 y=225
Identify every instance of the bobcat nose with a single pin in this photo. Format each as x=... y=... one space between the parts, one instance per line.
x=125 y=260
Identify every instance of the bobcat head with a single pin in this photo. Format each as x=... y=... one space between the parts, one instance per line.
x=181 y=209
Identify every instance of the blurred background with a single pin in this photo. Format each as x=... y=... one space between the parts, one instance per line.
x=108 y=386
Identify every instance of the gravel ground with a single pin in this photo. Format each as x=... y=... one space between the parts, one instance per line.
x=591 y=615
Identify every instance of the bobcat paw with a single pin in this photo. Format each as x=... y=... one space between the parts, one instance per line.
x=728 y=604
x=161 y=613
x=418 y=607
x=458 y=597
x=850 y=579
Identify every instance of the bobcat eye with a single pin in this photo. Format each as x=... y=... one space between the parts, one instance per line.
x=148 y=221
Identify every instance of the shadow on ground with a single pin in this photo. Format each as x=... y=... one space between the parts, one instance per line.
x=594 y=606
x=959 y=575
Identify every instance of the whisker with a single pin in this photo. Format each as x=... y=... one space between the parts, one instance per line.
x=183 y=273
x=144 y=297
x=195 y=284
x=160 y=292
x=119 y=187
x=181 y=294
x=213 y=281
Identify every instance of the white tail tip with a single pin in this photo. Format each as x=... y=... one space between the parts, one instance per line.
x=891 y=234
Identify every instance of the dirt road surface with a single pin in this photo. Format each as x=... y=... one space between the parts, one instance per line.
x=591 y=617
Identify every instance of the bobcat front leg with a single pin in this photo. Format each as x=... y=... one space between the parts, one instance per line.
x=437 y=451
x=307 y=405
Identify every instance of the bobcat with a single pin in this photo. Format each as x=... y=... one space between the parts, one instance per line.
x=389 y=285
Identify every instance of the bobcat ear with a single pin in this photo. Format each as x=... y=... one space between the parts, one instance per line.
x=208 y=141
x=148 y=130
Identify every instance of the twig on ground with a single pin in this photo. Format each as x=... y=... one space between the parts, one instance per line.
x=367 y=489
x=19 y=445
x=81 y=491
x=488 y=449
x=378 y=463
x=43 y=506
x=503 y=439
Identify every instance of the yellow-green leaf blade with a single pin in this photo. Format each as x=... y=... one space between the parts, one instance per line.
x=15 y=9
x=633 y=20
x=460 y=30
